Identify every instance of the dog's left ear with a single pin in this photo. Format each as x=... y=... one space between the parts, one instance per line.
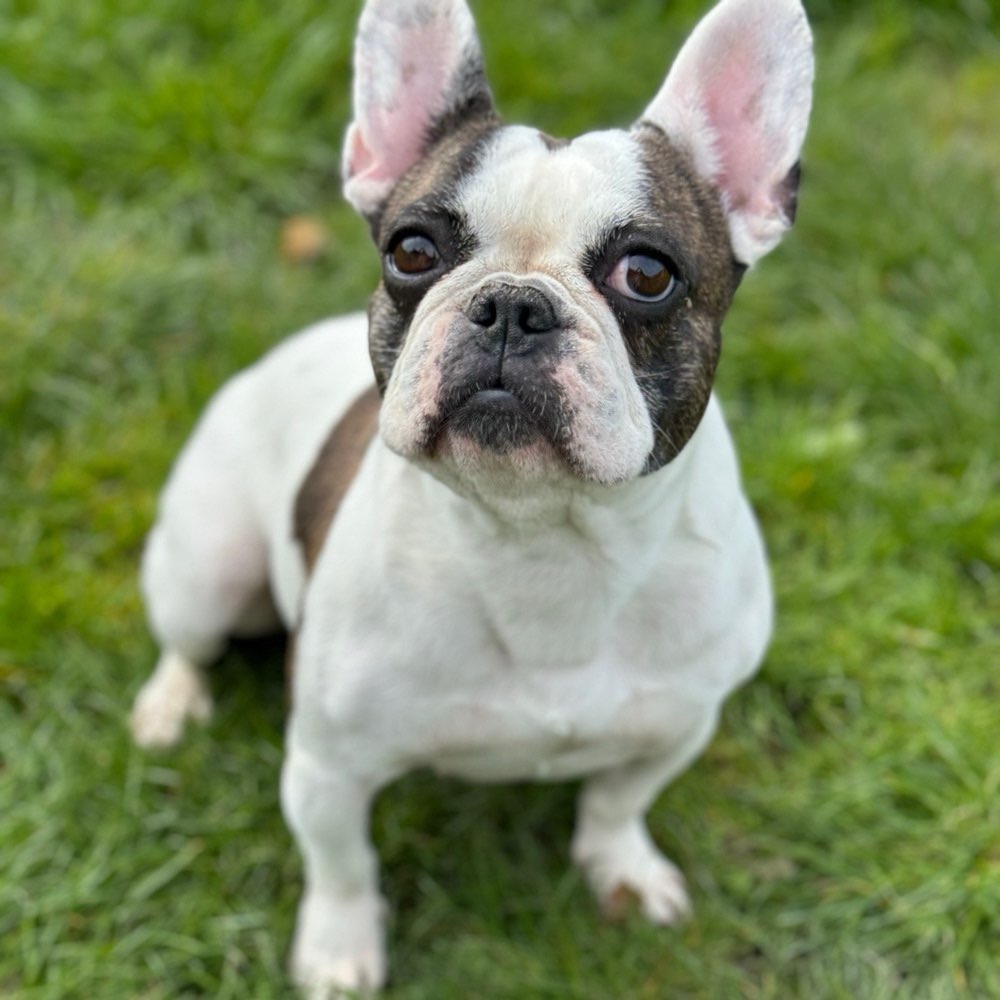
x=418 y=71
x=738 y=98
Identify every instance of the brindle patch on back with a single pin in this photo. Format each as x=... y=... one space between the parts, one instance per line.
x=331 y=475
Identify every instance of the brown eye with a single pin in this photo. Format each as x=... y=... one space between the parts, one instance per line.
x=413 y=254
x=642 y=277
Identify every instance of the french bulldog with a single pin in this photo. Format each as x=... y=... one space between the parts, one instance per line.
x=521 y=550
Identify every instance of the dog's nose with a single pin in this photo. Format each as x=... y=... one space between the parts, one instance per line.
x=507 y=309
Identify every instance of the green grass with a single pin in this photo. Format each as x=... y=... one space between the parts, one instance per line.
x=840 y=834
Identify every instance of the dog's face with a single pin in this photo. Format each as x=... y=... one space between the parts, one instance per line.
x=551 y=306
x=548 y=303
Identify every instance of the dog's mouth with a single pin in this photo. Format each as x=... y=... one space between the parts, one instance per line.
x=495 y=419
x=501 y=418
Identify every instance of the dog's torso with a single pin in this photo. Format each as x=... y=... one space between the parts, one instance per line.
x=545 y=653
x=598 y=631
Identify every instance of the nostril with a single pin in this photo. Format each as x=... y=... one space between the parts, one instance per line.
x=514 y=308
x=483 y=311
x=536 y=316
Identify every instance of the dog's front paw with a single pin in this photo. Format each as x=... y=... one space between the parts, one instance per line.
x=622 y=864
x=174 y=693
x=338 y=950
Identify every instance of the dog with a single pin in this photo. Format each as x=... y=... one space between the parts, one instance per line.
x=521 y=550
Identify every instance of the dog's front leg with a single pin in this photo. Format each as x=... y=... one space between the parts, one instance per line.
x=338 y=944
x=611 y=843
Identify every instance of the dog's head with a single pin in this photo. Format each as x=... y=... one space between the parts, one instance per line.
x=551 y=306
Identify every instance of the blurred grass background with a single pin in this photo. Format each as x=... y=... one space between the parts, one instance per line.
x=840 y=835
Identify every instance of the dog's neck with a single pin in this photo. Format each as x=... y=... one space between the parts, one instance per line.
x=538 y=500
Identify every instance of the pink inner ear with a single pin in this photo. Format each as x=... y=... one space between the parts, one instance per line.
x=738 y=97
x=392 y=126
x=360 y=159
x=733 y=103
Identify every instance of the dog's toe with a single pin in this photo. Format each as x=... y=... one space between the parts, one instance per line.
x=664 y=895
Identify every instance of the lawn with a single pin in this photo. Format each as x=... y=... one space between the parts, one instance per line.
x=841 y=835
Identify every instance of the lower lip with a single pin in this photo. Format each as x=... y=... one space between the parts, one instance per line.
x=496 y=399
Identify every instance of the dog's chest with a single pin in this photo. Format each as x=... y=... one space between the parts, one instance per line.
x=497 y=686
x=497 y=658
x=549 y=723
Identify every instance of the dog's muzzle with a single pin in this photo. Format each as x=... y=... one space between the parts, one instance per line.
x=497 y=384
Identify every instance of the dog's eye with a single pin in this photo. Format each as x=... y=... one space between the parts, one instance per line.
x=412 y=254
x=642 y=277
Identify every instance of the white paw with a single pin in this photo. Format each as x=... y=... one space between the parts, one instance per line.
x=175 y=693
x=622 y=864
x=338 y=950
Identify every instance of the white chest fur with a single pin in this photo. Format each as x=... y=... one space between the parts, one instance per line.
x=441 y=635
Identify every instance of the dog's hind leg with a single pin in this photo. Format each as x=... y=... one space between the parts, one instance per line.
x=204 y=572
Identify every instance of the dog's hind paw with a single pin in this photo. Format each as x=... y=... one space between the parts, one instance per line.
x=623 y=866
x=174 y=693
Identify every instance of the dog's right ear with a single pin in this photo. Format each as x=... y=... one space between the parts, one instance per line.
x=738 y=98
x=418 y=71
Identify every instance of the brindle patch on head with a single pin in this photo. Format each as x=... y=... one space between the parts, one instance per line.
x=440 y=170
x=470 y=100
x=423 y=200
x=674 y=352
x=331 y=475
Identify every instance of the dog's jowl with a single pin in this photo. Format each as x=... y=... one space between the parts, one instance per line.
x=532 y=558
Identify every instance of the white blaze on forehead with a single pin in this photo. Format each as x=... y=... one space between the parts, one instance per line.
x=529 y=203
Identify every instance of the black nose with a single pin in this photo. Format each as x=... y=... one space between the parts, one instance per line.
x=508 y=309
